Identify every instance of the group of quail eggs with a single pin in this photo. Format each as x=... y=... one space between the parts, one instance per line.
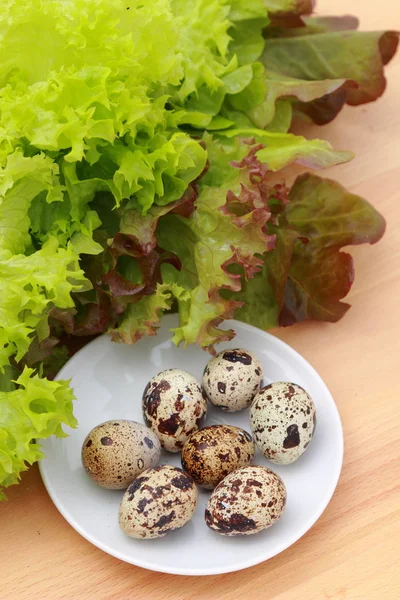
x=246 y=498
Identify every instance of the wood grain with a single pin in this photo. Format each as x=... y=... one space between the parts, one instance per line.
x=352 y=553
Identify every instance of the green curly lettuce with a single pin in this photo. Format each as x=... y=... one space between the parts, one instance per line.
x=36 y=408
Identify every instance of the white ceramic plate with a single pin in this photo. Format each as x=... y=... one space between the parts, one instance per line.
x=108 y=380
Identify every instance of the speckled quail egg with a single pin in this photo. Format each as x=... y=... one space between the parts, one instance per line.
x=213 y=452
x=115 y=452
x=246 y=502
x=159 y=501
x=282 y=420
x=174 y=407
x=232 y=378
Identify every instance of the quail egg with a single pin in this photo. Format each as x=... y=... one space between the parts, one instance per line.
x=282 y=420
x=232 y=378
x=213 y=452
x=246 y=502
x=115 y=452
x=174 y=407
x=157 y=502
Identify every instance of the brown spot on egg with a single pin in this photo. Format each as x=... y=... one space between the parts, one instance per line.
x=165 y=519
x=237 y=523
x=224 y=457
x=290 y=392
x=106 y=441
x=179 y=403
x=152 y=400
x=208 y=517
x=253 y=482
x=170 y=426
x=293 y=437
x=159 y=491
x=237 y=356
x=183 y=482
x=221 y=387
x=89 y=443
x=135 y=486
x=143 y=502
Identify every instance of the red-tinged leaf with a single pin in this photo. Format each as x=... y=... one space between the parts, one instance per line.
x=335 y=23
x=117 y=284
x=95 y=317
x=63 y=318
x=327 y=217
x=307 y=275
x=325 y=213
x=323 y=110
x=209 y=333
x=250 y=263
x=39 y=351
x=88 y=319
x=317 y=282
x=288 y=8
x=280 y=24
x=295 y=25
x=220 y=245
x=320 y=52
x=73 y=343
x=149 y=266
x=140 y=229
x=262 y=296
x=143 y=318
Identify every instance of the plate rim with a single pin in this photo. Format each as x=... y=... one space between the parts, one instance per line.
x=253 y=561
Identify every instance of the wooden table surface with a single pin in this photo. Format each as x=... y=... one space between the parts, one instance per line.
x=353 y=552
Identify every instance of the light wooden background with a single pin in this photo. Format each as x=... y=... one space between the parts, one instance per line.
x=353 y=552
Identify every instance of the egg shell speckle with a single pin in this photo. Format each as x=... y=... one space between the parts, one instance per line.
x=114 y=453
x=174 y=407
x=246 y=502
x=283 y=420
x=232 y=378
x=159 y=501
x=213 y=452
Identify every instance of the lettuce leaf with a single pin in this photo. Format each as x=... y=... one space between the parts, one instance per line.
x=307 y=275
x=207 y=243
x=29 y=287
x=36 y=408
x=316 y=54
x=261 y=99
x=278 y=150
